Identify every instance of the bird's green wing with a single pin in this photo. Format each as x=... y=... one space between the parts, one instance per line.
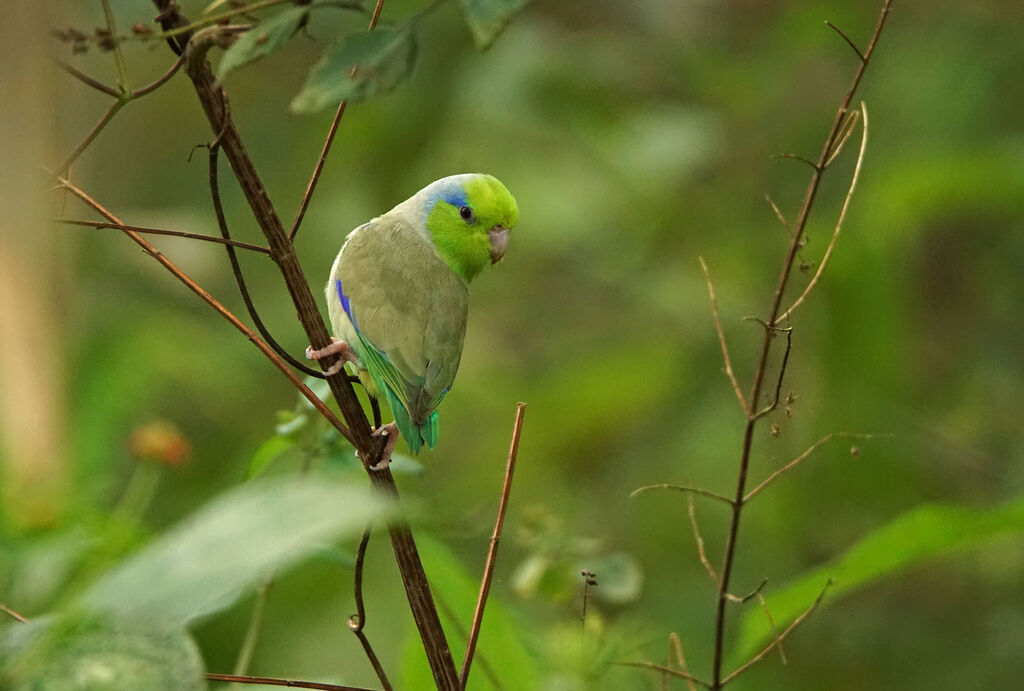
x=409 y=311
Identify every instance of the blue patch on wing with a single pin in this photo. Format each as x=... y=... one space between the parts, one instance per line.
x=345 y=305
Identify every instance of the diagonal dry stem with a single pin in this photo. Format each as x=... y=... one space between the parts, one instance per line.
x=291 y=683
x=162 y=231
x=803 y=457
x=677 y=647
x=692 y=511
x=682 y=488
x=492 y=550
x=315 y=178
x=210 y=300
x=721 y=338
x=666 y=670
x=842 y=217
x=771 y=623
x=778 y=640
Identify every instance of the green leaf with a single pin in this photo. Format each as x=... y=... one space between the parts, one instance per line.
x=921 y=534
x=501 y=637
x=262 y=40
x=488 y=18
x=76 y=653
x=227 y=548
x=381 y=58
x=267 y=452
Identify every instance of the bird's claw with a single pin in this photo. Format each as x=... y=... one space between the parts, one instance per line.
x=390 y=434
x=337 y=347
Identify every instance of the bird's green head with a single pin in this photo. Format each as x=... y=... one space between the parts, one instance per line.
x=468 y=218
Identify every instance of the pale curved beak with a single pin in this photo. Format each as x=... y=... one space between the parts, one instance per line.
x=499 y=242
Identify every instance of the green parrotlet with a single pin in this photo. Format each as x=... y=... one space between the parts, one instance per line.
x=398 y=296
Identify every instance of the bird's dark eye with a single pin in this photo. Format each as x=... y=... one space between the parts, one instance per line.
x=466 y=213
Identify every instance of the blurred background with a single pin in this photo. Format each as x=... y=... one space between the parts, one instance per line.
x=635 y=137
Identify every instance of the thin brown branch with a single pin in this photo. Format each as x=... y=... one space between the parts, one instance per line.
x=782 y=375
x=796 y=157
x=756 y=592
x=63 y=166
x=677 y=646
x=210 y=300
x=766 y=343
x=162 y=231
x=848 y=127
x=771 y=624
x=803 y=457
x=691 y=509
x=847 y=39
x=682 y=488
x=315 y=178
x=778 y=640
x=778 y=212
x=10 y=612
x=236 y=268
x=160 y=81
x=842 y=217
x=87 y=80
x=492 y=549
x=721 y=339
x=368 y=447
x=479 y=658
x=665 y=670
x=357 y=622
x=271 y=681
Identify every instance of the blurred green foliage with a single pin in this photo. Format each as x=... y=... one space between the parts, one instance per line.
x=635 y=136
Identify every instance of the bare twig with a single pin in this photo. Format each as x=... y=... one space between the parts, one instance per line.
x=122 y=67
x=803 y=457
x=252 y=632
x=842 y=217
x=778 y=213
x=691 y=509
x=159 y=81
x=357 y=622
x=271 y=681
x=311 y=187
x=492 y=549
x=759 y=374
x=63 y=166
x=162 y=231
x=778 y=640
x=756 y=592
x=848 y=127
x=847 y=39
x=677 y=646
x=795 y=157
x=771 y=624
x=721 y=339
x=10 y=612
x=236 y=268
x=682 y=488
x=665 y=670
x=479 y=658
x=782 y=374
x=223 y=311
x=86 y=79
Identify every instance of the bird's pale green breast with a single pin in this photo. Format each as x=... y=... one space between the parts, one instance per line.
x=407 y=309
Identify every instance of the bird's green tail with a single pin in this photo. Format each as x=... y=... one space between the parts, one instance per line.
x=413 y=434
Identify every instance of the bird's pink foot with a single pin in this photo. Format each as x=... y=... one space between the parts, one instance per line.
x=390 y=433
x=337 y=347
